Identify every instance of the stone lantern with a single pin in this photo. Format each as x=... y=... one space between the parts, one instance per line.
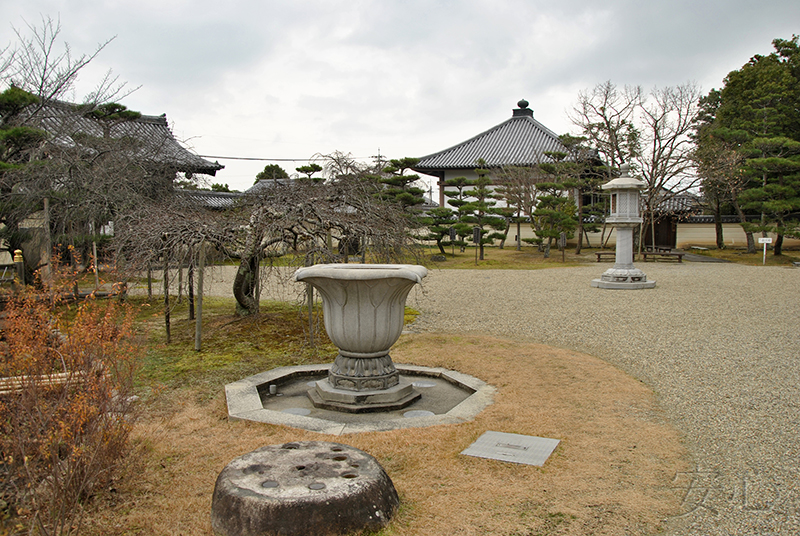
x=624 y=192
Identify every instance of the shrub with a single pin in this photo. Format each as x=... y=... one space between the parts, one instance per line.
x=66 y=408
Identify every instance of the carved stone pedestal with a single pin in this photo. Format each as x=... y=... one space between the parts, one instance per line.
x=364 y=307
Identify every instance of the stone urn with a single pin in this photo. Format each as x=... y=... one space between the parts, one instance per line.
x=364 y=306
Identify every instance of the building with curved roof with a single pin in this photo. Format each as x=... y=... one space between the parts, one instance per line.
x=520 y=140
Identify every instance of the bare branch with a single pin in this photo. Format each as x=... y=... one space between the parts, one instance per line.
x=50 y=73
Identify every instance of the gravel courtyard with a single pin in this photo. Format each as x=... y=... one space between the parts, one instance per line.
x=718 y=343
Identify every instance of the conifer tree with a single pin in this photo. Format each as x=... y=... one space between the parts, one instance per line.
x=479 y=211
x=398 y=186
x=439 y=221
x=455 y=190
x=759 y=111
x=556 y=211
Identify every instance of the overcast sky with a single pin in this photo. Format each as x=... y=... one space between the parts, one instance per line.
x=283 y=79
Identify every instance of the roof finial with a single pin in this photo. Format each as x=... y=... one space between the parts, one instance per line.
x=523 y=110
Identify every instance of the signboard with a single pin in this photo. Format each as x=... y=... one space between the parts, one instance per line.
x=764 y=240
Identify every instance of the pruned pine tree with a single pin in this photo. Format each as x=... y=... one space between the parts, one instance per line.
x=556 y=211
x=399 y=187
x=272 y=172
x=310 y=170
x=455 y=191
x=439 y=221
x=479 y=212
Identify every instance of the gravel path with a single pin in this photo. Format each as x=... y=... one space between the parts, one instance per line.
x=718 y=343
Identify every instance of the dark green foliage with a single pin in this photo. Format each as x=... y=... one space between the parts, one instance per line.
x=556 y=211
x=113 y=112
x=14 y=100
x=398 y=186
x=477 y=210
x=15 y=141
x=757 y=115
x=272 y=172
x=310 y=170
x=439 y=222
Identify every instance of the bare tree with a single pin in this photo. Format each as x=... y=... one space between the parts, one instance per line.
x=721 y=168
x=7 y=57
x=517 y=187
x=49 y=71
x=652 y=133
x=41 y=158
x=665 y=161
x=299 y=219
x=606 y=116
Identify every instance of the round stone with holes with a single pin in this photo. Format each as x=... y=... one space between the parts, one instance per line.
x=309 y=487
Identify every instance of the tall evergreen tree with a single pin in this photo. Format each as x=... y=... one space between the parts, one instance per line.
x=759 y=112
x=455 y=191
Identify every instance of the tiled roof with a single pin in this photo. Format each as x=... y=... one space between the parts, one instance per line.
x=264 y=185
x=518 y=141
x=684 y=202
x=158 y=145
x=705 y=218
x=210 y=199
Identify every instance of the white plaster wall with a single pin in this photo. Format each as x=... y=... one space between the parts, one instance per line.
x=703 y=234
x=689 y=234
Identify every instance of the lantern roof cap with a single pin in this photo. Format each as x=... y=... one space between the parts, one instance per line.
x=624 y=181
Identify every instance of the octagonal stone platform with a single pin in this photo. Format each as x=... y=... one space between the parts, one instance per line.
x=448 y=397
x=302 y=488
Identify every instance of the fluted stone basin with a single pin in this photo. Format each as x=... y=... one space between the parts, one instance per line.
x=364 y=306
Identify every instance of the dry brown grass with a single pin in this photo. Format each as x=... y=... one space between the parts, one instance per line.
x=508 y=258
x=611 y=473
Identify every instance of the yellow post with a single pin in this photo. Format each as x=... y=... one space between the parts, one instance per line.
x=20 y=265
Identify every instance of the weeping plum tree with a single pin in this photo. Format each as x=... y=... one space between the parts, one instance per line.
x=277 y=219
